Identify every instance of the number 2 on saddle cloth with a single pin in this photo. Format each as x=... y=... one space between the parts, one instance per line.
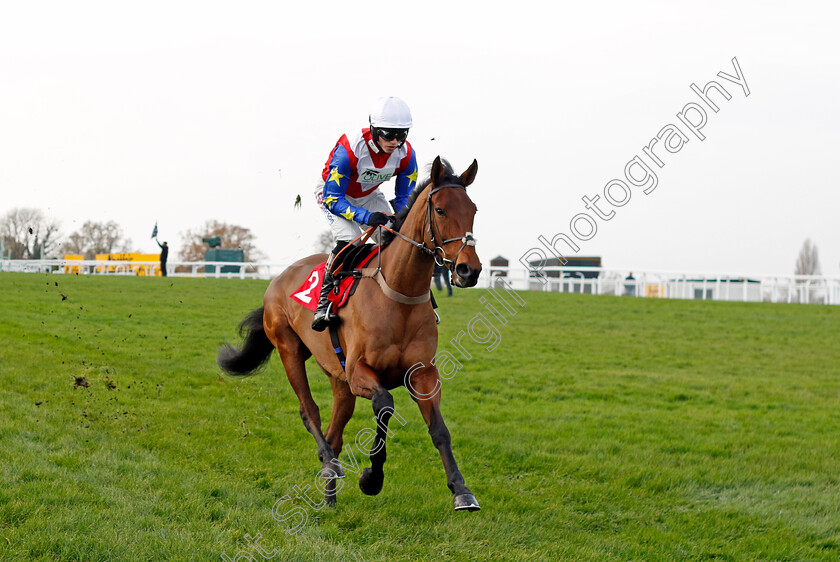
x=307 y=294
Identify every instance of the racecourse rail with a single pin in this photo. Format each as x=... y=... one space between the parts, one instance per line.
x=808 y=289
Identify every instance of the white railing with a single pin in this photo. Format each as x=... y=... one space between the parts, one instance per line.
x=815 y=289
x=809 y=289
x=231 y=270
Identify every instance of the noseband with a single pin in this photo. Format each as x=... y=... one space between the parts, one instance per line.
x=436 y=251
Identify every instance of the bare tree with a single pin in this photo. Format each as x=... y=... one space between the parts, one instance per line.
x=97 y=238
x=808 y=262
x=325 y=242
x=29 y=234
x=232 y=236
x=74 y=244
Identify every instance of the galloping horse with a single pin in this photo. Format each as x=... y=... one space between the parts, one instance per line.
x=388 y=330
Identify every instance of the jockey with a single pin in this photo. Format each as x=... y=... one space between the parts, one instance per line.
x=348 y=192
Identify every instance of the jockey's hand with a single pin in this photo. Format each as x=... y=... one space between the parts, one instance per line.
x=378 y=219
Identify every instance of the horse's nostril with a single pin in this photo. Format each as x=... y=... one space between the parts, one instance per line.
x=463 y=270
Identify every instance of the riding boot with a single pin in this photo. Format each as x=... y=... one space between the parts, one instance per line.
x=323 y=313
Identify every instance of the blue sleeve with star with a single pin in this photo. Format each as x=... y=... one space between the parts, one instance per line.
x=405 y=182
x=335 y=188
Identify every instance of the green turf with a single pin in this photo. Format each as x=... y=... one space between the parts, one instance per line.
x=599 y=428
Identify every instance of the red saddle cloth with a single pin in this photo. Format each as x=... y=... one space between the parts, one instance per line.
x=310 y=291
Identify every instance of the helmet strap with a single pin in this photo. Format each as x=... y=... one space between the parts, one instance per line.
x=374 y=135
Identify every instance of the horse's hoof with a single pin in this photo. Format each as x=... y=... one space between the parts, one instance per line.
x=466 y=501
x=370 y=483
x=331 y=471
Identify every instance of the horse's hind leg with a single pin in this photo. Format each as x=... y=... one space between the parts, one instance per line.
x=344 y=403
x=294 y=354
x=309 y=412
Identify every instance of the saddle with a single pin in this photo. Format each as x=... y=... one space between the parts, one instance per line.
x=347 y=279
x=356 y=257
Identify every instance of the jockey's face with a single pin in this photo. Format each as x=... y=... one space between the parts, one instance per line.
x=388 y=146
x=390 y=139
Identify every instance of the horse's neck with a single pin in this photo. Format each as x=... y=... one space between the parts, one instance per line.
x=406 y=268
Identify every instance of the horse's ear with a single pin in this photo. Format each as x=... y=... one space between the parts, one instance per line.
x=469 y=176
x=437 y=171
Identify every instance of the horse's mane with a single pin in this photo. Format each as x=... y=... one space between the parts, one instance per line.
x=449 y=176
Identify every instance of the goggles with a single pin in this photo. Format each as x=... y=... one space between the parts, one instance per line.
x=391 y=134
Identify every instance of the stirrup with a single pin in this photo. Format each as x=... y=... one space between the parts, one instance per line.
x=320 y=323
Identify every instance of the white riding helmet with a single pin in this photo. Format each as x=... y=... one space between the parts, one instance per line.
x=390 y=113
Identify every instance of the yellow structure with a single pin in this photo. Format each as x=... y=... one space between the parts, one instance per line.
x=655 y=291
x=128 y=257
x=73 y=268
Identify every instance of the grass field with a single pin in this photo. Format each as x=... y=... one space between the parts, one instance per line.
x=599 y=428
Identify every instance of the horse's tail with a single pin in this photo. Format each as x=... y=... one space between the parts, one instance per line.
x=255 y=351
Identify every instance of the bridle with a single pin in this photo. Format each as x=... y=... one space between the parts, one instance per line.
x=436 y=251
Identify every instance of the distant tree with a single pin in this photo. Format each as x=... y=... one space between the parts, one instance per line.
x=808 y=262
x=233 y=236
x=325 y=242
x=74 y=244
x=29 y=234
x=97 y=238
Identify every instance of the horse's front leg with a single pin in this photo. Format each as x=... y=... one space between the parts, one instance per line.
x=424 y=387
x=364 y=382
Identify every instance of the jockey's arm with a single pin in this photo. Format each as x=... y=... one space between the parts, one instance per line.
x=406 y=180
x=335 y=189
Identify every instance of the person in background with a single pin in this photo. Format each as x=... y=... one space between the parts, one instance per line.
x=164 y=253
x=630 y=286
x=441 y=271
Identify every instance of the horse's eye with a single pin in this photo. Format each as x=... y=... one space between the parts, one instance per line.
x=440 y=211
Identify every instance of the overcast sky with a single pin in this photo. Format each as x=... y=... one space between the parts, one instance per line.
x=183 y=112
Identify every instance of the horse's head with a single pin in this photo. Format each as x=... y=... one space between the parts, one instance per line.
x=450 y=216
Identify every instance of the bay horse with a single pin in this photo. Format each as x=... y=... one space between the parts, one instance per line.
x=387 y=330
